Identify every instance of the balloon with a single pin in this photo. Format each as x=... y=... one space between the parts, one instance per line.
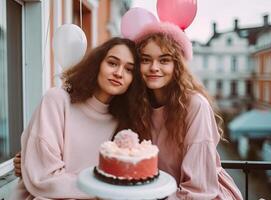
x=69 y=45
x=134 y=20
x=179 y=12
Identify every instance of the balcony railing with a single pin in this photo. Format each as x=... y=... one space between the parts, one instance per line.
x=246 y=166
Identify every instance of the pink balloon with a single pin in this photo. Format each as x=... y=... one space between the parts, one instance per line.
x=179 y=12
x=134 y=20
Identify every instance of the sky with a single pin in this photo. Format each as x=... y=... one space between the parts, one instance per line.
x=223 y=12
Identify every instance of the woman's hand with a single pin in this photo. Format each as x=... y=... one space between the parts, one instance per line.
x=17 y=165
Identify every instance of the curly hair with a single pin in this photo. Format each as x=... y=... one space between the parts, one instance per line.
x=81 y=82
x=179 y=91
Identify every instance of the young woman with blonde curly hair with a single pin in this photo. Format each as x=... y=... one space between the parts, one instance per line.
x=175 y=111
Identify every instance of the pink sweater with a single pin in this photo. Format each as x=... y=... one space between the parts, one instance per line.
x=60 y=140
x=197 y=168
x=64 y=138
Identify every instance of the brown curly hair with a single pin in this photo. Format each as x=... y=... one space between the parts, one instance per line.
x=80 y=81
x=179 y=91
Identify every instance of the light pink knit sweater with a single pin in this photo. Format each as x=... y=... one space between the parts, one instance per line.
x=61 y=139
x=197 y=168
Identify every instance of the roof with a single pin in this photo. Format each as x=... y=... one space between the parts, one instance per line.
x=251 y=33
x=254 y=124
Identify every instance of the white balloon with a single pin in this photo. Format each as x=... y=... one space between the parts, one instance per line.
x=69 y=45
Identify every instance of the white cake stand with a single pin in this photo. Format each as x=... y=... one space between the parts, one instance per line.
x=162 y=187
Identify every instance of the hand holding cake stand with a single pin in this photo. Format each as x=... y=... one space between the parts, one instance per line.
x=127 y=170
x=162 y=187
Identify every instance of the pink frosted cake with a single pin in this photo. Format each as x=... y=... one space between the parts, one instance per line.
x=126 y=161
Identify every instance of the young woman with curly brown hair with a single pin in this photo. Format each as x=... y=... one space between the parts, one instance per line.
x=66 y=130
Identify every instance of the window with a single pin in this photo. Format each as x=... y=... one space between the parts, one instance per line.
x=219 y=86
x=220 y=64
x=205 y=83
x=233 y=89
x=229 y=41
x=266 y=92
x=11 y=99
x=248 y=88
x=205 y=61
x=233 y=64
x=243 y=33
x=268 y=64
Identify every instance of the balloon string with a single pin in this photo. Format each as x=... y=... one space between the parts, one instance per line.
x=81 y=14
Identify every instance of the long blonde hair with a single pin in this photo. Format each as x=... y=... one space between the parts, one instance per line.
x=179 y=91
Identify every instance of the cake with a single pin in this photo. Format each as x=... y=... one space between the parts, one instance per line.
x=126 y=161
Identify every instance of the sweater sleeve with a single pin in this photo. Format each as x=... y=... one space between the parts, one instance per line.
x=199 y=179
x=43 y=168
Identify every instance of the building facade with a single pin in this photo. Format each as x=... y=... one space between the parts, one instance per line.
x=225 y=65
